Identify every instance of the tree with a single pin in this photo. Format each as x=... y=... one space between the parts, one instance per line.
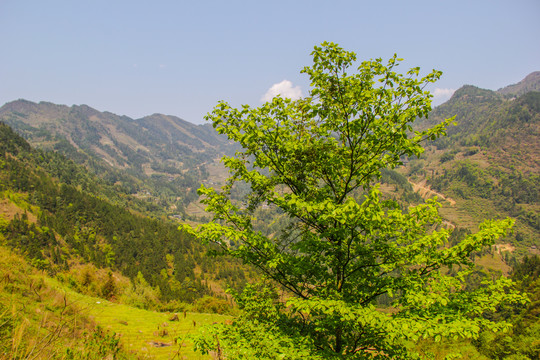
x=341 y=247
x=108 y=289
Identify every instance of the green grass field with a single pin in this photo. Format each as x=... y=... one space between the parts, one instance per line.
x=149 y=334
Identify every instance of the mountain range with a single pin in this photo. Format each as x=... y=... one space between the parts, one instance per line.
x=118 y=140
x=530 y=83
x=159 y=157
x=488 y=164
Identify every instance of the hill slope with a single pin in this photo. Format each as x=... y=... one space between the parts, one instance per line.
x=490 y=161
x=118 y=140
x=160 y=157
x=62 y=225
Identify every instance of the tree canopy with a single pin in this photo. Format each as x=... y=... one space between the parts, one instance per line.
x=339 y=248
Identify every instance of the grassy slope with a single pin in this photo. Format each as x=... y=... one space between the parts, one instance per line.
x=40 y=316
x=36 y=320
x=142 y=331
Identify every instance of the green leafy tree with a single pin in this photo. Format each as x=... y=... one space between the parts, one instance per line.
x=315 y=160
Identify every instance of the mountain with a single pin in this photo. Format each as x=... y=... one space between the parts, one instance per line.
x=488 y=166
x=530 y=83
x=160 y=157
x=489 y=163
x=118 y=140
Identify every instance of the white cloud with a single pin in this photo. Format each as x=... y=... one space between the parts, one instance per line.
x=441 y=95
x=285 y=89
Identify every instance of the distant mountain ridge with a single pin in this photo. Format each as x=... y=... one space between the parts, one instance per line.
x=118 y=140
x=159 y=157
x=165 y=158
x=530 y=83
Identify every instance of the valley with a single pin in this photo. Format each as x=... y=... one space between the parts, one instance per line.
x=91 y=203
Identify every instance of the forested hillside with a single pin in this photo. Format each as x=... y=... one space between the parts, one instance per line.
x=158 y=157
x=489 y=164
x=61 y=217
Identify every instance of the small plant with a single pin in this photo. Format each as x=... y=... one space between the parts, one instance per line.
x=98 y=344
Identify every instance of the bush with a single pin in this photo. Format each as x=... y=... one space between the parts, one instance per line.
x=210 y=304
x=448 y=156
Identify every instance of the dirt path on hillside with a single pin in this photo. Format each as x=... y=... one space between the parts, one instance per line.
x=425 y=191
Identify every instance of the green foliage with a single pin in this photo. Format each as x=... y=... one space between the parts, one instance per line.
x=99 y=344
x=339 y=252
x=393 y=177
x=140 y=294
x=108 y=290
x=523 y=341
x=259 y=332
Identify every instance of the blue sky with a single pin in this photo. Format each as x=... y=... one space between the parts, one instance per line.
x=137 y=58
